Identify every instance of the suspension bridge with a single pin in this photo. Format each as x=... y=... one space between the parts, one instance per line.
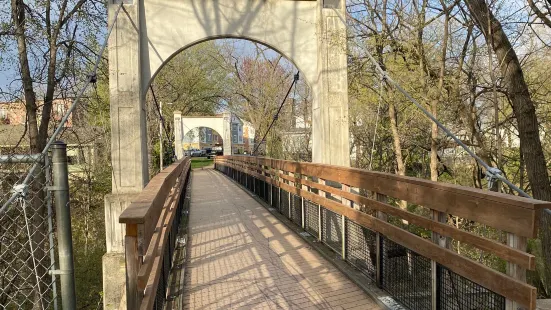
x=254 y=232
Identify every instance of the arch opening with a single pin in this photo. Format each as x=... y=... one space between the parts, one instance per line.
x=247 y=80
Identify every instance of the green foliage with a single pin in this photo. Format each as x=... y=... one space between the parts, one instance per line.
x=193 y=81
x=201 y=162
x=88 y=187
x=168 y=155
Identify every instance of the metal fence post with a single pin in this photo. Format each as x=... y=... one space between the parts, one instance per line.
x=380 y=256
x=343 y=237
x=47 y=165
x=63 y=216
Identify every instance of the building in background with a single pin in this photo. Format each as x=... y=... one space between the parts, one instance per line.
x=202 y=137
x=83 y=141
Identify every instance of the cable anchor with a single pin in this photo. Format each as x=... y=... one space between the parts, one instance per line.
x=93 y=78
x=20 y=189
x=493 y=175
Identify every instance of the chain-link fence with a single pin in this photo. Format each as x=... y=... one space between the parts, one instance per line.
x=27 y=244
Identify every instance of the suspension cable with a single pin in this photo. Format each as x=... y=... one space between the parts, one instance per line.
x=295 y=80
x=381 y=86
x=490 y=171
x=91 y=79
x=161 y=117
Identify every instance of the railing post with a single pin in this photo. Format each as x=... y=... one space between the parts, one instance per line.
x=379 y=243
x=320 y=222
x=348 y=203
x=132 y=268
x=304 y=187
x=443 y=242
x=63 y=217
x=270 y=175
x=514 y=270
x=343 y=238
x=289 y=196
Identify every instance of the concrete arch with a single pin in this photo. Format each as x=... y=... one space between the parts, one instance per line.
x=289 y=27
x=216 y=124
x=161 y=66
x=147 y=33
x=219 y=123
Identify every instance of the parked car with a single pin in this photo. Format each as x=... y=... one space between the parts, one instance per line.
x=195 y=153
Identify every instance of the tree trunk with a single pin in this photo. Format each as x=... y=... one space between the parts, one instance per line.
x=18 y=16
x=434 y=104
x=525 y=113
x=517 y=91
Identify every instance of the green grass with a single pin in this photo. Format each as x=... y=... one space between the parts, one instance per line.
x=200 y=162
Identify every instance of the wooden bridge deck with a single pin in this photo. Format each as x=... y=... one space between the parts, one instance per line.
x=242 y=257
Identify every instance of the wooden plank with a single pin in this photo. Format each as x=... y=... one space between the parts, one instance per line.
x=474 y=271
x=154 y=277
x=507 y=253
x=505 y=212
x=513 y=270
x=151 y=288
x=131 y=258
x=152 y=197
x=521 y=258
x=151 y=219
x=164 y=222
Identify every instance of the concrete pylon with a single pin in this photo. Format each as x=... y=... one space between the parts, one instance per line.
x=178 y=137
x=128 y=143
x=148 y=33
x=330 y=131
x=226 y=140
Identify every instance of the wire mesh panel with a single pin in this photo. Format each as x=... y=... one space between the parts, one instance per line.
x=250 y=184
x=311 y=217
x=361 y=248
x=406 y=275
x=331 y=226
x=262 y=189
x=26 y=239
x=296 y=209
x=268 y=192
x=284 y=204
x=275 y=197
x=456 y=292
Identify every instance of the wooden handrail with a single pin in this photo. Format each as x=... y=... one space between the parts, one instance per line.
x=152 y=197
x=149 y=220
x=508 y=213
x=505 y=212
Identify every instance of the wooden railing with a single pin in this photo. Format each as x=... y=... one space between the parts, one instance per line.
x=151 y=227
x=362 y=198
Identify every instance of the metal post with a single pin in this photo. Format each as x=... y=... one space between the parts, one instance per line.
x=379 y=243
x=161 y=136
x=343 y=237
x=302 y=209
x=63 y=218
x=50 y=226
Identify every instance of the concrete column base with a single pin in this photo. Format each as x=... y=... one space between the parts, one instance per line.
x=114 y=281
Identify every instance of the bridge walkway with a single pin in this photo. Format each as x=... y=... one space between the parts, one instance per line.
x=242 y=257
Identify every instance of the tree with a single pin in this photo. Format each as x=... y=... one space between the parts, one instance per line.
x=51 y=44
x=258 y=86
x=524 y=110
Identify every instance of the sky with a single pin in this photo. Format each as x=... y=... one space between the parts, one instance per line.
x=9 y=64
